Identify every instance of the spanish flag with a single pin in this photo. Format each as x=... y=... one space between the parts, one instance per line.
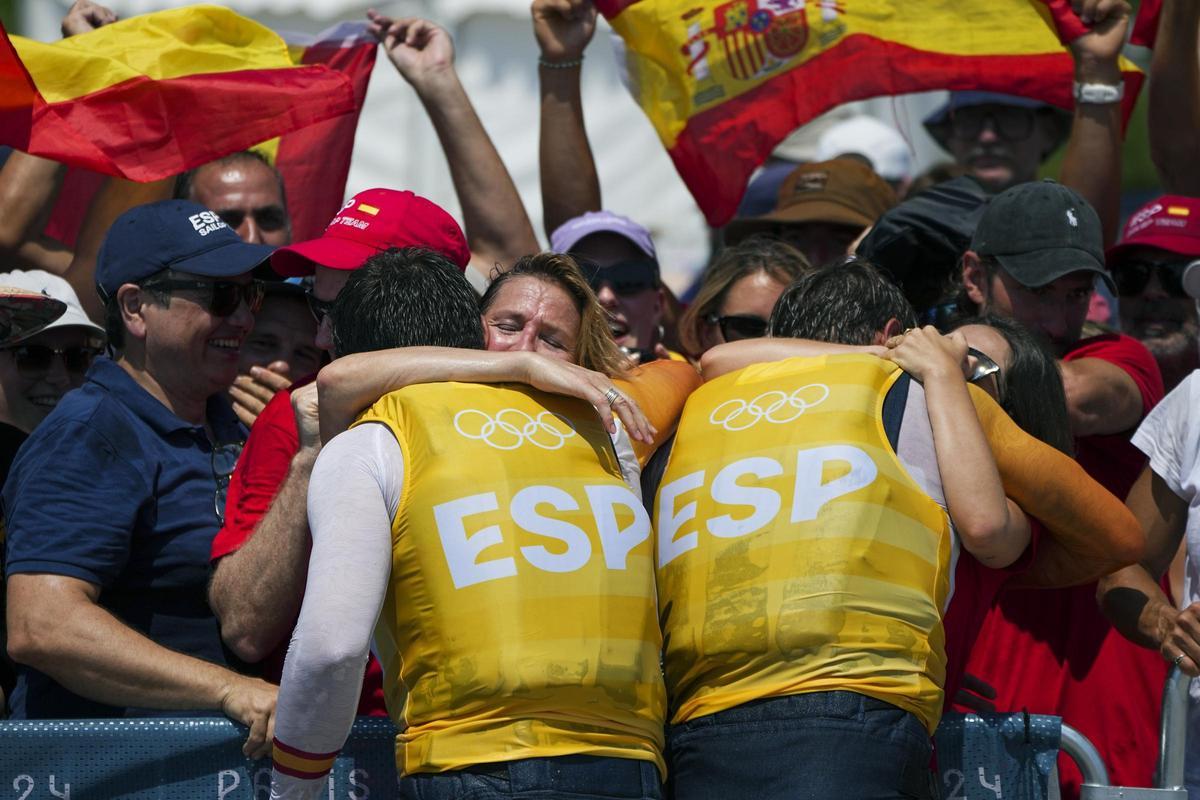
x=724 y=81
x=152 y=96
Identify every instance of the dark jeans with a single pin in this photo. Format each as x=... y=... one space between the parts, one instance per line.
x=821 y=745
x=574 y=777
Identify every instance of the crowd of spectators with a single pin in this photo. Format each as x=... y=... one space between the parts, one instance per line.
x=233 y=460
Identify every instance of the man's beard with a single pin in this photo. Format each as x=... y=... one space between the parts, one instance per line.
x=1173 y=345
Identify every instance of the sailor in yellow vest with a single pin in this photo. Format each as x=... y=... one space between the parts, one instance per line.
x=805 y=555
x=509 y=566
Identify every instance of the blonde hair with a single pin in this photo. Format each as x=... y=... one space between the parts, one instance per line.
x=755 y=254
x=594 y=345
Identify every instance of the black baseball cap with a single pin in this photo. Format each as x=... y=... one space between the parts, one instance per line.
x=1040 y=231
x=172 y=234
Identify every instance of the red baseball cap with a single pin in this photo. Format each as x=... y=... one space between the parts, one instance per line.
x=1171 y=223
x=370 y=222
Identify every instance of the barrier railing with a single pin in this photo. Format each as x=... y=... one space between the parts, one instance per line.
x=190 y=758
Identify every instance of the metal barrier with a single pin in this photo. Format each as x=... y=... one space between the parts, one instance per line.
x=1168 y=781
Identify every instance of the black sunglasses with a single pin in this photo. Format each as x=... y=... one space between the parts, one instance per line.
x=736 y=327
x=1010 y=123
x=222 y=298
x=224 y=460
x=625 y=277
x=1133 y=275
x=320 y=308
x=985 y=366
x=35 y=360
x=267 y=218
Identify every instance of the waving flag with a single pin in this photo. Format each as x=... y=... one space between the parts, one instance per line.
x=151 y=96
x=314 y=160
x=724 y=81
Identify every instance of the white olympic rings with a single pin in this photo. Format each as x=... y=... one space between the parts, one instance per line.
x=775 y=406
x=511 y=428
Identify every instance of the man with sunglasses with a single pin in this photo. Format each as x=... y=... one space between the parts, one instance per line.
x=109 y=506
x=1160 y=241
x=260 y=555
x=620 y=262
x=1002 y=140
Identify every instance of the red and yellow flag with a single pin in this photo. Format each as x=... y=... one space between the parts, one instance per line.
x=724 y=81
x=151 y=96
x=327 y=80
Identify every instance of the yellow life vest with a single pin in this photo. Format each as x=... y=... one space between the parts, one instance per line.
x=519 y=620
x=794 y=552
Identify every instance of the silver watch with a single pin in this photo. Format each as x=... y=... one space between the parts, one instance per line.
x=1098 y=93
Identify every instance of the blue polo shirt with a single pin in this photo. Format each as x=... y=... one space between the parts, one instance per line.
x=114 y=489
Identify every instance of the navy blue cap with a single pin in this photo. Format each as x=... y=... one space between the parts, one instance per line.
x=968 y=99
x=172 y=234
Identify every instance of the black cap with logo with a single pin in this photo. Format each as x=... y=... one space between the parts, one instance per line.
x=1041 y=231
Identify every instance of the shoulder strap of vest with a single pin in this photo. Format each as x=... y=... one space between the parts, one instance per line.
x=893 y=408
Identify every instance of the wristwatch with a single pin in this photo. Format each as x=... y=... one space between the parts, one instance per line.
x=1098 y=93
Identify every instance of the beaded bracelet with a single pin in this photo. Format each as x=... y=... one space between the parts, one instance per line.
x=575 y=62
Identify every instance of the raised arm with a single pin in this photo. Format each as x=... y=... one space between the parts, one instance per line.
x=992 y=527
x=28 y=188
x=496 y=225
x=570 y=185
x=349 y=385
x=1092 y=163
x=1175 y=97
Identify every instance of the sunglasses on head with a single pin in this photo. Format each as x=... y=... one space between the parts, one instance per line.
x=35 y=360
x=220 y=298
x=736 y=327
x=319 y=308
x=625 y=277
x=1133 y=275
x=1011 y=123
x=267 y=218
x=983 y=367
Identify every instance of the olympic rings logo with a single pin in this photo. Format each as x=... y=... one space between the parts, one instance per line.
x=775 y=406
x=511 y=428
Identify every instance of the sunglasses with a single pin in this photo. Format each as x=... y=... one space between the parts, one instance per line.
x=625 y=277
x=1133 y=275
x=267 y=218
x=221 y=298
x=1012 y=124
x=736 y=327
x=224 y=459
x=983 y=367
x=35 y=360
x=319 y=308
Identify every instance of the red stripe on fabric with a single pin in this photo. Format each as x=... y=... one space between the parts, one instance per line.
x=315 y=161
x=1145 y=24
x=296 y=751
x=18 y=94
x=145 y=129
x=610 y=8
x=295 y=773
x=719 y=148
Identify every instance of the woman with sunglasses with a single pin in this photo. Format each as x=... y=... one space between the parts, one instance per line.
x=737 y=293
x=36 y=371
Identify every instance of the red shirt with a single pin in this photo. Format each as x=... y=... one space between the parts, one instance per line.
x=261 y=470
x=1051 y=651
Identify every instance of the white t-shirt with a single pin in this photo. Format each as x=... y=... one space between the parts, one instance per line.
x=1170 y=438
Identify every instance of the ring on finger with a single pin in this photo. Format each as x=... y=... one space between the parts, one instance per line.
x=612 y=396
x=1178 y=659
